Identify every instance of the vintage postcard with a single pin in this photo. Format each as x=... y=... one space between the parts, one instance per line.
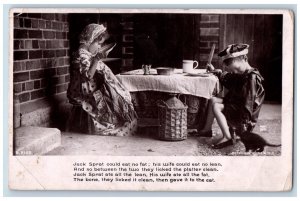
x=151 y=99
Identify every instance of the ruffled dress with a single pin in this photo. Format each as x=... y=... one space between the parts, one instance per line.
x=103 y=97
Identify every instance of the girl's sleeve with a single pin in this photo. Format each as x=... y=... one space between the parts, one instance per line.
x=85 y=65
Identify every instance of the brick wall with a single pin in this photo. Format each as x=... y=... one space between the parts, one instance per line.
x=41 y=57
x=127 y=42
x=40 y=66
x=209 y=35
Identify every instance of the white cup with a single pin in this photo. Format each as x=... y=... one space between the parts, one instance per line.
x=188 y=66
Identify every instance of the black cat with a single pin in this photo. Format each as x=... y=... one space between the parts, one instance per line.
x=255 y=142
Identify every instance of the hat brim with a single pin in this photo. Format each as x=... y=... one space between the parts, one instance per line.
x=235 y=54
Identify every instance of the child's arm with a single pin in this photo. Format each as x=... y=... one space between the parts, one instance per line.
x=231 y=80
x=91 y=71
x=227 y=79
x=103 y=52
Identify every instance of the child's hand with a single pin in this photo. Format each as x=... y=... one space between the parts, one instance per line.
x=100 y=55
x=216 y=72
x=209 y=67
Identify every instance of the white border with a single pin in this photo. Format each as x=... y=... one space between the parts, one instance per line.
x=266 y=163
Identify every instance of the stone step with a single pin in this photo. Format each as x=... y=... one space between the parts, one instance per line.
x=31 y=140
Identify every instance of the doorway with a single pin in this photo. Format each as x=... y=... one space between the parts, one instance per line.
x=264 y=35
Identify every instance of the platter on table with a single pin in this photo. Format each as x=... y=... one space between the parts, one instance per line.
x=198 y=74
x=139 y=72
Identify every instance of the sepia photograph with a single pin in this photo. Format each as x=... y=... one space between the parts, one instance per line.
x=93 y=87
x=146 y=84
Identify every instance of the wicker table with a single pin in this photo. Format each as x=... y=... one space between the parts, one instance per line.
x=147 y=89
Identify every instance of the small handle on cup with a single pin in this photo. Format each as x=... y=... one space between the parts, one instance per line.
x=196 y=63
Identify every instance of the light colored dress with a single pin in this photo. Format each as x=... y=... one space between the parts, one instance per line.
x=103 y=97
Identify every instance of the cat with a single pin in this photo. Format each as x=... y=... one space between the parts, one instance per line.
x=254 y=142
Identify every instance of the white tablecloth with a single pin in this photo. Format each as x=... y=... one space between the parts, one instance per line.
x=179 y=82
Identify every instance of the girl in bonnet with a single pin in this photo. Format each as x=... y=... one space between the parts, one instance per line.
x=94 y=87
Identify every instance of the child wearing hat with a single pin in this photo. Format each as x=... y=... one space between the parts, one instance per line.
x=240 y=107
